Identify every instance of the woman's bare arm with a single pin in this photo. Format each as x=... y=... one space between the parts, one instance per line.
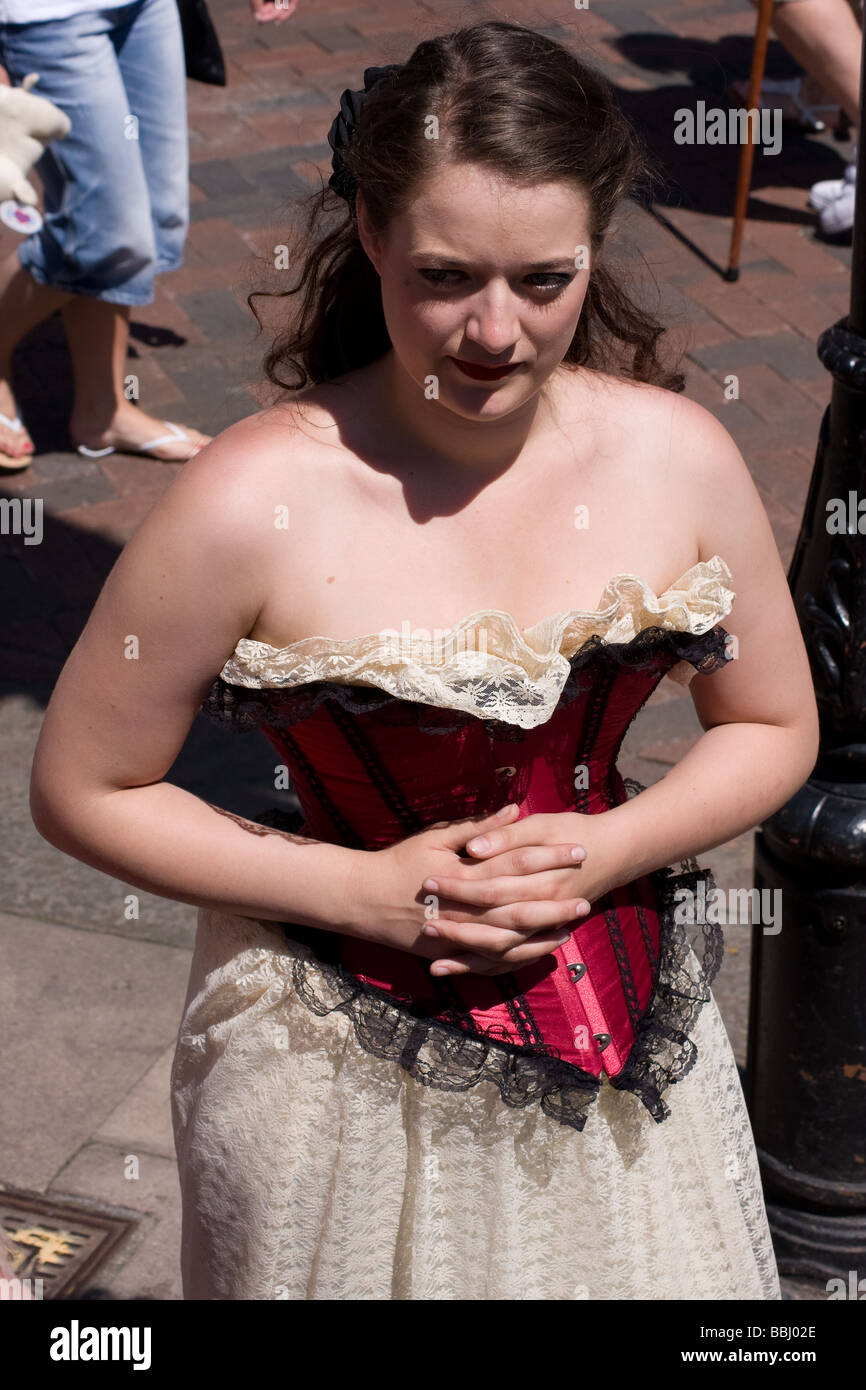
x=759 y=711
x=186 y=587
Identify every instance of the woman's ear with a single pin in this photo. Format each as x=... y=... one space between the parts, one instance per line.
x=367 y=237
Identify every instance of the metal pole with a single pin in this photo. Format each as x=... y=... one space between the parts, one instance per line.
x=806 y=1067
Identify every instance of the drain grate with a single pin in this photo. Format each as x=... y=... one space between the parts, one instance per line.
x=56 y=1242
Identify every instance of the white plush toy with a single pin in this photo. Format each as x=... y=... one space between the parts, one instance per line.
x=27 y=124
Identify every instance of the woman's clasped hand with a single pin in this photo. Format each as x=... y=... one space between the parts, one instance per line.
x=496 y=892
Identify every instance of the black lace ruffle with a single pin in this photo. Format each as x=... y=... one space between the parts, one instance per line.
x=662 y=1052
x=242 y=708
x=455 y=1054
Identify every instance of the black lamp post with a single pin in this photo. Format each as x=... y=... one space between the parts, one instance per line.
x=806 y=1067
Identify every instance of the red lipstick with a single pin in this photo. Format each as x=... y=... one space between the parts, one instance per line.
x=484 y=373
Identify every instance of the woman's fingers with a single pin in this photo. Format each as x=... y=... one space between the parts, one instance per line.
x=516 y=834
x=531 y=918
x=515 y=878
x=527 y=915
x=520 y=953
x=515 y=912
x=456 y=833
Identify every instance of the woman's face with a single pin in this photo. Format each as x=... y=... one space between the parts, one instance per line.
x=480 y=273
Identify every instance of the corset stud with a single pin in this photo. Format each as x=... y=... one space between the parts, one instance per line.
x=602 y=1039
x=504 y=773
x=577 y=970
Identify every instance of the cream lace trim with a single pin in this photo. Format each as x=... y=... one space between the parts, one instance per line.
x=484 y=664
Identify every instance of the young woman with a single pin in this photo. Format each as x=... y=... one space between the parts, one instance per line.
x=442 y=578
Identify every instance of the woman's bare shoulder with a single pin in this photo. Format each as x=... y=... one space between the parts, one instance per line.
x=714 y=483
x=271 y=454
x=295 y=428
x=675 y=455
x=702 y=447
x=688 y=441
x=301 y=435
x=629 y=423
x=618 y=402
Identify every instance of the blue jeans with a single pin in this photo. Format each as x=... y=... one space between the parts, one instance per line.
x=116 y=190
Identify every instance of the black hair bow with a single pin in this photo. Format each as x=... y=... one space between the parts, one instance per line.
x=343 y=128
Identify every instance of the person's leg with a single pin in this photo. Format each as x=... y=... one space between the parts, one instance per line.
x=149 y=48
x=825 y=39
x=97 y=241
x=823 y=36
x=98 y=336
x=153 y=67
x=23 y=304
x=93 y=238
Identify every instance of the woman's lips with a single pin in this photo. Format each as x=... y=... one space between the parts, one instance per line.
x=484 y=373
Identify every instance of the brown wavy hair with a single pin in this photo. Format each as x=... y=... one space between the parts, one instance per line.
x=507 y=98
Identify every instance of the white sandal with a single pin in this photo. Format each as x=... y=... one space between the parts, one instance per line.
x=13 y=461
x=176 y=433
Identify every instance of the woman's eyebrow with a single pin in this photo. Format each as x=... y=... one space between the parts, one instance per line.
x=534 y=265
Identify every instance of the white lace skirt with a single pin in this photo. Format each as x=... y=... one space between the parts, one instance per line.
x=311 y=1169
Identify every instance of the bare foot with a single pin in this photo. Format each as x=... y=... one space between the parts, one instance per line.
x=15 y=444
x=130 y=429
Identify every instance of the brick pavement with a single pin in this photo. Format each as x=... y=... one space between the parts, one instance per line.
x=254 y=145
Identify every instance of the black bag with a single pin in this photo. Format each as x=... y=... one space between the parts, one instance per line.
x=204 y=58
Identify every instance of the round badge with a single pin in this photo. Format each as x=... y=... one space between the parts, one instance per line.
x=20 y=217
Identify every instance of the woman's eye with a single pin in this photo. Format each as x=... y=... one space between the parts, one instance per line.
x=437 y=277
x=551 y=282
x=548 y=283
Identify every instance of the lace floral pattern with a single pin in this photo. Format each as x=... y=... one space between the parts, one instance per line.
x=485 y=666
x=311 y=1169
x=242 y=708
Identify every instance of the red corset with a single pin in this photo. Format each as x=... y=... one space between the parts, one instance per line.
x=371 y=768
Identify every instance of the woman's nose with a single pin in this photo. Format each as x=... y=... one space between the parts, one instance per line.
x=493 y=323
